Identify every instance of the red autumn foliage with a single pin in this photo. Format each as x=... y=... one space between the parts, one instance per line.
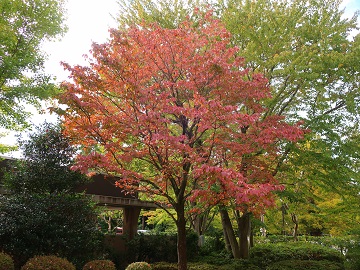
x=180 y=102
x=177 y=116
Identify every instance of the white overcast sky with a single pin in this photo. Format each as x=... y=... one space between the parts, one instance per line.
x=88 y=21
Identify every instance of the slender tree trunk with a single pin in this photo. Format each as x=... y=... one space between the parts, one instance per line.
x=263 y=229
x=251 y=237
x=226 y=237
x=296 y=226
x=244 y=223
x=229 y=232
x=199 y=227
x=181 y=238
x=108 y=222
x=284 y=209
x=227 y=241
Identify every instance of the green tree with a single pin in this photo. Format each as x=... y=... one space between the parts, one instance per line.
x=24 y=25
x=46 y=165
x=168 y=13
x=306 y=51
x=43 y=214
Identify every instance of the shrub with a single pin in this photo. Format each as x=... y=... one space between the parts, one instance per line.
x=48 y=263
x=266 y=254
x=6 y=262
x=139 y=266
x=99 y=265
x=53 y=223
x=308 y=265
x=156 y=247
x=152 y=248
x=43 y=215
x=211 y=245
x=220 y=258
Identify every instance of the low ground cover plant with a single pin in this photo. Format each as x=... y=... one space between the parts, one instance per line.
x=164 y=266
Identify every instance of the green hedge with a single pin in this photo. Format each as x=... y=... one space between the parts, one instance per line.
x=342 y=243
x=308 y=265
x=233 y=265
x=266 y=254
x=62 y=224
x=156 y=247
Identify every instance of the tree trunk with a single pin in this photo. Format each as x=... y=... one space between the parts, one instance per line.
x=284 y=209
x=244 y=223
x=229 y=232
x=199 y=227
x=198 y=224
x=108 y=222
x=181 y=238
x=263 y=229
x=251 y=237
x=296 y=226
x=226 y=238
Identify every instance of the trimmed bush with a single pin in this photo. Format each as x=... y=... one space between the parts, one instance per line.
x=139 y=266
x=48 y=263
x=308 y=265
x=6 y=262
x=99 y=265
x=267 y=254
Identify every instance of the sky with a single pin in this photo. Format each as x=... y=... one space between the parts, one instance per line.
x=88 y=21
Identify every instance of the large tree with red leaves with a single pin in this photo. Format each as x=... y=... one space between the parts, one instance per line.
x=174 y=113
